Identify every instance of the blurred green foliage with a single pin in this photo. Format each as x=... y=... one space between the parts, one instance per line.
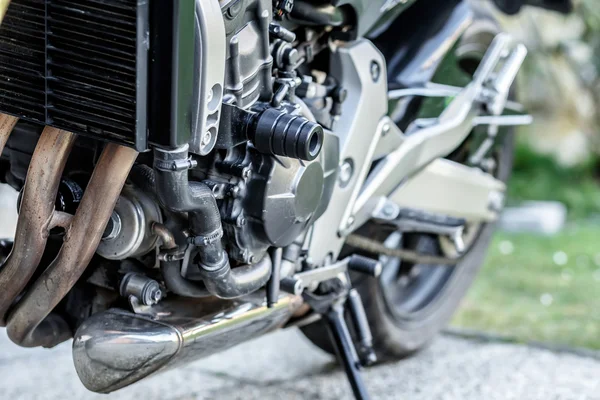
x=540 y=177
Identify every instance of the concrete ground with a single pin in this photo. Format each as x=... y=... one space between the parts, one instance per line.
x=284 y=365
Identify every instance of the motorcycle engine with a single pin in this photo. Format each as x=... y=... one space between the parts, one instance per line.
x=274 y=167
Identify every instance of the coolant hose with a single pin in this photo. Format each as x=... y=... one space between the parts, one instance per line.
x=178 y=194
x=176 y=283
x=226 y=283
x=230 y=283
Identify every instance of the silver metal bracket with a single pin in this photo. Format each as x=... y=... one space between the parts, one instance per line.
x=210 y=60
x=358 y=132
x=409 y=220
x=310 y=279
x=427 y=140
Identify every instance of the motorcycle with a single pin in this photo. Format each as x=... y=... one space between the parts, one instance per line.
x=196 y=173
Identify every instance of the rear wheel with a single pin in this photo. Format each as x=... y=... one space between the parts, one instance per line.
x=410 y=303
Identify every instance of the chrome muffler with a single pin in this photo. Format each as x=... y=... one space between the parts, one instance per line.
x=116 y=348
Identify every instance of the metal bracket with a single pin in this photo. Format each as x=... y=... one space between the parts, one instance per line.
x=428 y=140
x=311 y=278
x=210 y=61
x=364 y=112
x=410 y=220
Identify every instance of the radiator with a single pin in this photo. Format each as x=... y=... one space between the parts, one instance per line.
x=79 y=65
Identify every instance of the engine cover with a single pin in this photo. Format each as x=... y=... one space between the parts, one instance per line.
x=290 y=193
x=268 y=200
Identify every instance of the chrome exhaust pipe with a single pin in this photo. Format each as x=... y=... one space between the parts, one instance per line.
x=116 y=348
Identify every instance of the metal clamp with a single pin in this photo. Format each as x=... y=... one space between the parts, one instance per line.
x=206 y=239
x=175 y=165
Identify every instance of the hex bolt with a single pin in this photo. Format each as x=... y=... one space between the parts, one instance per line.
x=375 y=70
x=350 y=222
x=388 y=211
x=113 y=229
x=386 y=129
x=346 y=172
x=146 y=290
x=206 y=138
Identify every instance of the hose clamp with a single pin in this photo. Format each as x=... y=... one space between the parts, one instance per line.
x=175 y=165
x=205 y=240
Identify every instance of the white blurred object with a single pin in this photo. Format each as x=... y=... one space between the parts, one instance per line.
x=8 y=211
x=542 y=217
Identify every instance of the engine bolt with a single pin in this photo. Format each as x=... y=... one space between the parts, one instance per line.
x=246 y=172
x=386 y=129
x=113 y=228
x=346 y=172
x=350 y=222
x=375 y=70
x=206 y=138
x=156 y=296
x=388 y=211
x=241 y=221
x=146 y=290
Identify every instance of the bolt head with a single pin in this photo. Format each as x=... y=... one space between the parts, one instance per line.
x=345 y=172
x=388 y=210
x=386 y=129
x=350 y=222
x=206 y=138
x=375 y=70
x=157 y=295
x=246 y=172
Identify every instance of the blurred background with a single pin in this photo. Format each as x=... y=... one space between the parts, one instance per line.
x=541 y=280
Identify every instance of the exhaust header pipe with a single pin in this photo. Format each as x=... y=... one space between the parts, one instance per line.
x=116 y=348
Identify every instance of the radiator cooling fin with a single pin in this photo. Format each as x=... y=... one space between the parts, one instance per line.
x=75 y=65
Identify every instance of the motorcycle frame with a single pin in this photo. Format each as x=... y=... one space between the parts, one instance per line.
x=410 y=163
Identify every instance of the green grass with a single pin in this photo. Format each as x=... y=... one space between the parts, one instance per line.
x=507 y=296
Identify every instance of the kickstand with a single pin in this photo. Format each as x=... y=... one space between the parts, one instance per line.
x=332 y=307
x=332 y=299
x=346 y=352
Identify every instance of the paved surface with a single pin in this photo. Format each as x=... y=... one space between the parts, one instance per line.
x=284 y=365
